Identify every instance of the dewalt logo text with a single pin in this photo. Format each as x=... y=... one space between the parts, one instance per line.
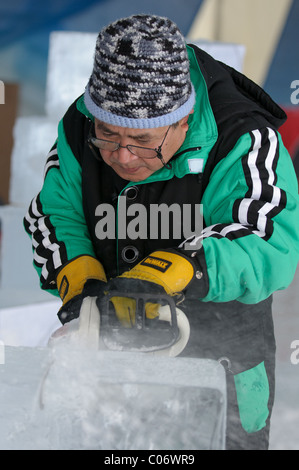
x=156 y=263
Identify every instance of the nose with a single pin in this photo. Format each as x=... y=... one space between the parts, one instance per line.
x=124 y=155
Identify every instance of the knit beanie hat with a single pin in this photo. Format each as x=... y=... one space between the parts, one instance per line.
x=140 y=77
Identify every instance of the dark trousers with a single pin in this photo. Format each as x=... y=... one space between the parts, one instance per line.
x=245 y=335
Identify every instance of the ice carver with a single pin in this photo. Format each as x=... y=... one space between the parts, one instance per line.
x=161 y=124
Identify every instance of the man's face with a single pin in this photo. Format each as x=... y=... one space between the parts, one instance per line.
x=131 y=167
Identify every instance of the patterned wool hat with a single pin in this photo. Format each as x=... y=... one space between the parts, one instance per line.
x=140 y=77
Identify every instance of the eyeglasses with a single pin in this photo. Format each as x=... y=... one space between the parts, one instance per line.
x=141 y=152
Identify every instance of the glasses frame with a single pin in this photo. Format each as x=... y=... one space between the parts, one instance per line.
x=92 y=142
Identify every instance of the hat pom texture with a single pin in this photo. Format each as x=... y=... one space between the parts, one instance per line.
x=140 y=77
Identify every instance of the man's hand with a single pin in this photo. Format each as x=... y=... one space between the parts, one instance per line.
x=162 y=272
x=80 y=278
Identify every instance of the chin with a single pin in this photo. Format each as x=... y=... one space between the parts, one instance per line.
x=139 y=176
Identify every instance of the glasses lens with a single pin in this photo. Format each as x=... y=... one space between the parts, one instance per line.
x=142 y=152
x=105 y=144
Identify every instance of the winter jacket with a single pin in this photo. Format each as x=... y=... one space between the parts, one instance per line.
x=234 y=167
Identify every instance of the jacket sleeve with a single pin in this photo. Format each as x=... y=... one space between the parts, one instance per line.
x=251 y=213
x=55 y=220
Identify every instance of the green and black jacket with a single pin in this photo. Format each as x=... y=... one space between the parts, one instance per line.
x=232 y=162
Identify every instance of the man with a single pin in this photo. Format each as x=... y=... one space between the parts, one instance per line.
x=162 y=123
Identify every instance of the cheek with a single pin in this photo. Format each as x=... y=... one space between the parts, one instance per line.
x=155 y=165
x=106 y=156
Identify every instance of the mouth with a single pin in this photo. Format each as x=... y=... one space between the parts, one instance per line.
x=130 y=170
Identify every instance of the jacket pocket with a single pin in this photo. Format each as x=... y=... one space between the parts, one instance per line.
x=252 y=388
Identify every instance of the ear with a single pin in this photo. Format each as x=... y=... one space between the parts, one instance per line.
x=184 y=121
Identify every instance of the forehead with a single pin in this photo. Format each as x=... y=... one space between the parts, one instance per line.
x=129 y=132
